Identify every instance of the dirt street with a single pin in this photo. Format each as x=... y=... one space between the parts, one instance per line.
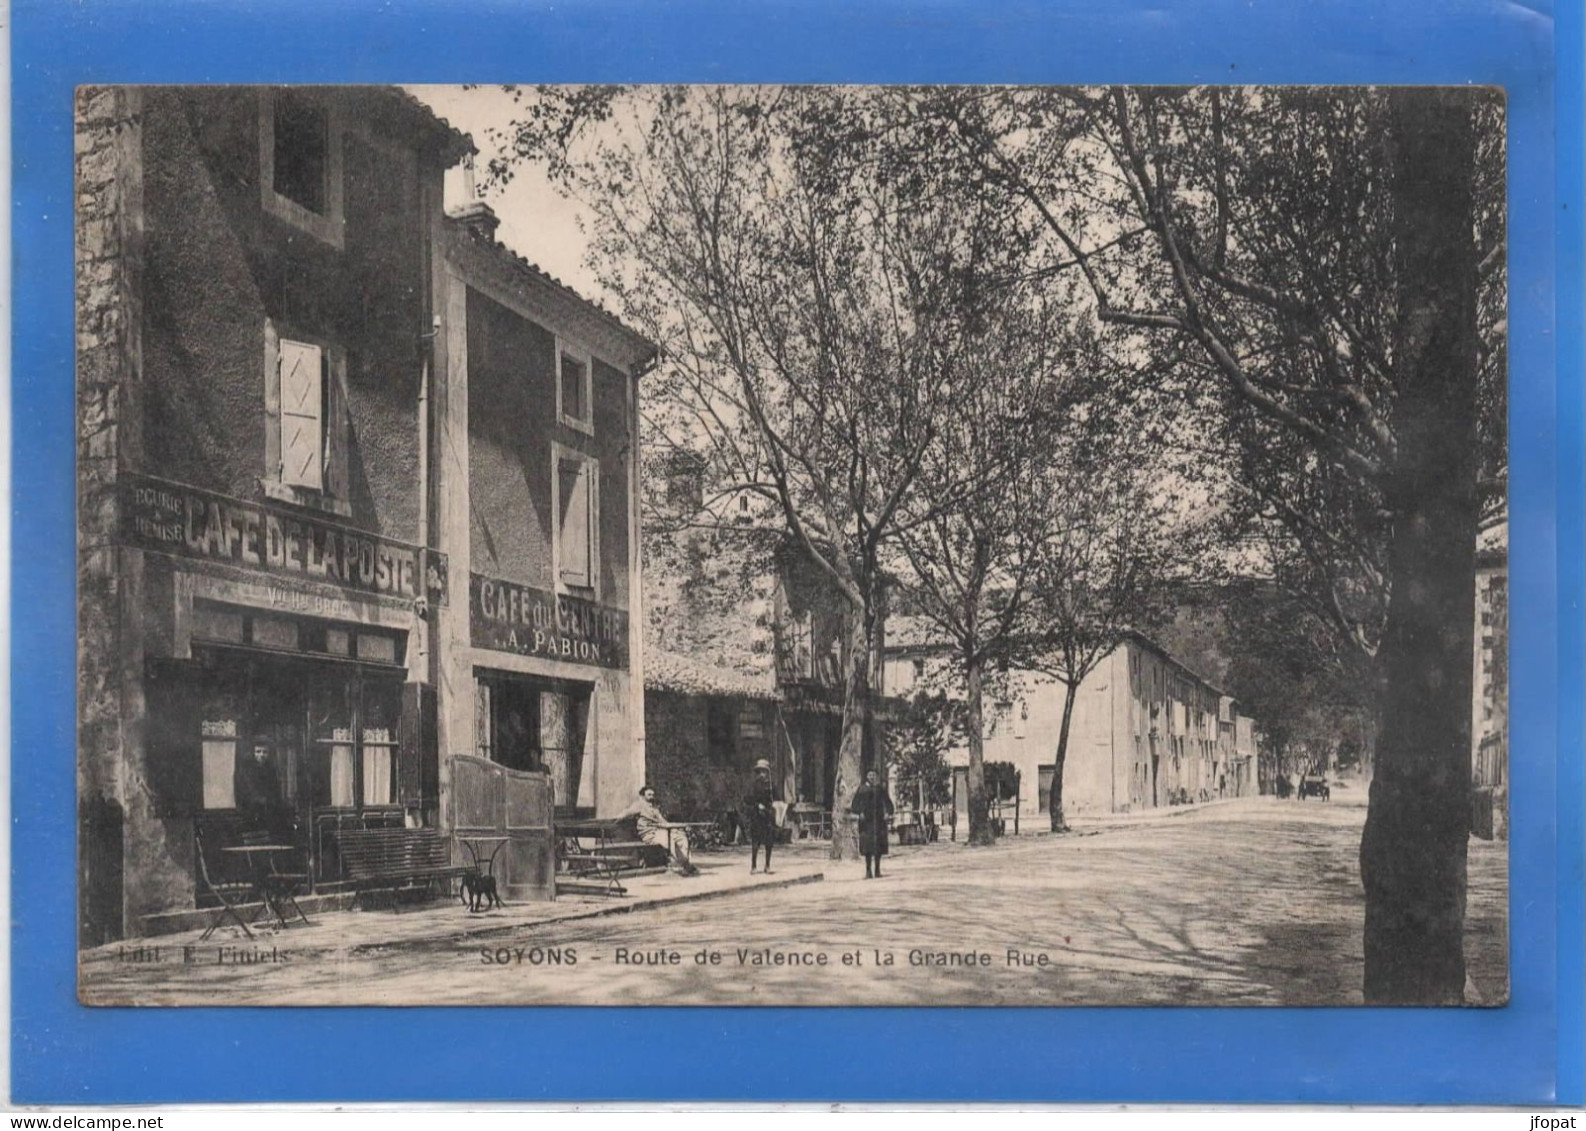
x=1254 y=902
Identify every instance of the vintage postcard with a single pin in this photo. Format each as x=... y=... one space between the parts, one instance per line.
x=811 y=545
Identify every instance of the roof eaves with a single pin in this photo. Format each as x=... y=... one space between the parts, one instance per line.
x=536 y=274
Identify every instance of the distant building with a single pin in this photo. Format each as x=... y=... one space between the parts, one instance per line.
x=744 y=658
x=1146 y=730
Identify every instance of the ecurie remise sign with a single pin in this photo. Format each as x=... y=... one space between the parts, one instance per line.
x=176 y=519
x=509 y=617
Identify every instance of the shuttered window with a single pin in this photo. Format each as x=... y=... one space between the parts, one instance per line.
x=308 y=422
x=302 y=368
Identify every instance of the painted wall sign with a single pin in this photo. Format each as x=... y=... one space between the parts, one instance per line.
x=192 y=523
x=508 y=617
x=323 y=602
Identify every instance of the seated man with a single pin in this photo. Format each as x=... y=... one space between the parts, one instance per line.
x=654 y=829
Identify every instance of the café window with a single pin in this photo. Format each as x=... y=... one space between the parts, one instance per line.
x=219 y=730
x=300 y=160
x=535 y=725
x=577 y=483
x=307 y=430
x=354 y=733
x=215 y=623
x=575 y=388
x=270 y=737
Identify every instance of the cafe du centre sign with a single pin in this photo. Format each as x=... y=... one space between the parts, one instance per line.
x=507 y=617
x=191 y=523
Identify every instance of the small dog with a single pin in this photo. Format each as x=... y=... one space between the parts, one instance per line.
x=479 y=891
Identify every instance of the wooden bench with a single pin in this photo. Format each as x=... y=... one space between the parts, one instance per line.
x=397 y=860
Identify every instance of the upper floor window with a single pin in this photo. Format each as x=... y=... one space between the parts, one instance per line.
x=306 y=433
x=574 y=388
x=302 y=151
x=685 y=482
x=300 y=161
x=303 y=389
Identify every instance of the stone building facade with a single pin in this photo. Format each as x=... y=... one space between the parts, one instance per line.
x=1489 y=721
x=1146 y=731
x=744 y=661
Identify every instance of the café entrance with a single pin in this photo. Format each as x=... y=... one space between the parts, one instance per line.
x=284 y=728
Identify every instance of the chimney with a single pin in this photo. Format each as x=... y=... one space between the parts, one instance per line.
x=478 y=217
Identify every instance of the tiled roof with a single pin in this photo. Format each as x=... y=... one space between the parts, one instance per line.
x=920 y=635
x=684 y=675
x=463 y=229
x=462 y=141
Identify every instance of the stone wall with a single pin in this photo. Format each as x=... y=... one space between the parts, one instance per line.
x=694 y=780
x=109 y=356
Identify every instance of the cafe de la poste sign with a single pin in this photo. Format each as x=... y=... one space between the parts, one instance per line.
x=192 y=523
x=504 y=616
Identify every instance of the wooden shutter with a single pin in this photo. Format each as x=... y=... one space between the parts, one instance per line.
x=338 y=425
x=302 y=368
x=574 y=550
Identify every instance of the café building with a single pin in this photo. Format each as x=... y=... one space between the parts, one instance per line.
x=541 y=663
x=258 y=572
x=356 y=546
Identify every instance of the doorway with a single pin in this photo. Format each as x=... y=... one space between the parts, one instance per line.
x=537 y=725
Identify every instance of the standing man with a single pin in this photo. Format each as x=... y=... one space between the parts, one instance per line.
x=874 y=809
x=761 y=809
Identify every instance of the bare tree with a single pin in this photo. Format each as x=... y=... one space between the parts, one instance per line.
x=1314 y=255
x=805 y=317
x=969 y=567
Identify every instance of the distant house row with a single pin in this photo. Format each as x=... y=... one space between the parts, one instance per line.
x=1489 y=721
x=1146 y=731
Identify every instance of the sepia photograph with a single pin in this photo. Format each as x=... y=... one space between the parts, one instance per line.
x=739 y=545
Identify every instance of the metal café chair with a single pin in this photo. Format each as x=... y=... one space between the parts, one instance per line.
x=277 y=888
x=229 y=893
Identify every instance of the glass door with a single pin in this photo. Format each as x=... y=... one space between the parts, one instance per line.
x=269 y=765
x=354 y=720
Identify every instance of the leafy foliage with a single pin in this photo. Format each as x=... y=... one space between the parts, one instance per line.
x=917 y=744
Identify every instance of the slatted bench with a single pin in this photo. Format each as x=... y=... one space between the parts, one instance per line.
x=396 y=860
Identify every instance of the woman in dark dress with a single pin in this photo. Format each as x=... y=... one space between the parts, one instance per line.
x=761 y=810
x=874 y=809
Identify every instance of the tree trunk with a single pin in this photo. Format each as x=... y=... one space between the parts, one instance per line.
x=980 y=830
x=1412 y=856
x=858 y=632
x=1059 y=824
